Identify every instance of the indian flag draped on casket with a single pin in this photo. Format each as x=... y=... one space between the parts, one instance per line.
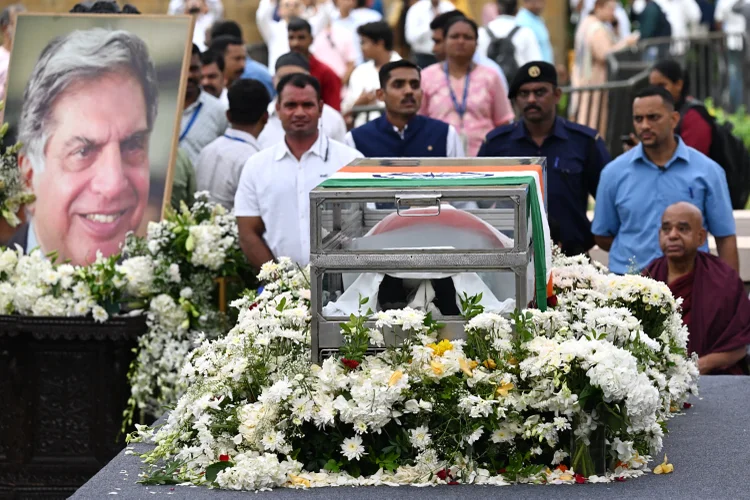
x=394 y=177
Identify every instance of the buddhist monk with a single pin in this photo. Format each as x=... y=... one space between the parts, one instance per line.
x=715 y=306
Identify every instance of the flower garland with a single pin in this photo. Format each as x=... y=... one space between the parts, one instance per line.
x=517 y=400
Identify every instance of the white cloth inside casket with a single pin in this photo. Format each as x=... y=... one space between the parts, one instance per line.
x=497 y=288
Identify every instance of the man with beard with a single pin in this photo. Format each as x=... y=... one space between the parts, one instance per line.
x=637 y=187
x=204 y=117
x=575 y=153
x=272 y=203
x=212 y=75
x=401 y=132
x=233 y=51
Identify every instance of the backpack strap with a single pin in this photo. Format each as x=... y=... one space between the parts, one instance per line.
x=513 y=31
x=493 y=38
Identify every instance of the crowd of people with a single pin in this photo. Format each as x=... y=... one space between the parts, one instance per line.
x=259 y=138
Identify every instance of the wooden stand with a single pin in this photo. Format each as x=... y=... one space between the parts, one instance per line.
x=63 y=388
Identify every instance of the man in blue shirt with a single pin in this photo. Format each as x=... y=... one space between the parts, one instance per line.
x=253 y=69
x=636 y=188
x=531 y=17
x=575 y=153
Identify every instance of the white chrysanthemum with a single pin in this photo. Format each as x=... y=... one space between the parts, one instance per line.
x=352 y=448
x=420 y=437
x=139 y=273
x=100 y=315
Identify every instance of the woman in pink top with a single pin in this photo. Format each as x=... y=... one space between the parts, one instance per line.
x=469 y=96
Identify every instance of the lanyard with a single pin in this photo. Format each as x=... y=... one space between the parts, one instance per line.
x=191 y=122
x=461 y=110
x=236 y=139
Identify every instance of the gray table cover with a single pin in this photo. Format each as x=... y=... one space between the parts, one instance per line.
x=709 y=446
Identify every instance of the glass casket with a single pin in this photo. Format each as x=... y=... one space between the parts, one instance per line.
x=424 y=233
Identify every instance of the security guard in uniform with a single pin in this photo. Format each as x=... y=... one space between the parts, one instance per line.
x=575 y=154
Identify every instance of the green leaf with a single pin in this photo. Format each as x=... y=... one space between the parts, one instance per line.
x=332 y=466
x=213 y=470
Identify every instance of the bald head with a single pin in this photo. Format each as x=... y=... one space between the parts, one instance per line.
x=681 y=232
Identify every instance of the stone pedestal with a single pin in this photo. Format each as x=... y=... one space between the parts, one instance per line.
x=63 y=388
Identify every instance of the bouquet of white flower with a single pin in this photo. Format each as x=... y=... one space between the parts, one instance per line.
x=513 y=398
x=13 y=192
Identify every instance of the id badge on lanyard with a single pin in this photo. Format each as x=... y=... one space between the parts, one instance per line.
x=460 y=108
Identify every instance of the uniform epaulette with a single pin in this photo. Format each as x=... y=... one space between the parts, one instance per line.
x=581 y=129
x=502 y=130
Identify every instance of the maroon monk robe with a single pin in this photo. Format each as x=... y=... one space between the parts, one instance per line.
x=716 y=308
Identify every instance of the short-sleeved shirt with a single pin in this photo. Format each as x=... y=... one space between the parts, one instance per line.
x=202 y=122
x=633 y=194
x=220 y=165
x=276 y=187
x=575 y=156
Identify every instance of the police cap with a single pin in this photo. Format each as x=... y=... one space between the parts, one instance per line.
x=534 y=71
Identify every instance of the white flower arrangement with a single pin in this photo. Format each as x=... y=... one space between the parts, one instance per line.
x=502 y=405
x=13 y=192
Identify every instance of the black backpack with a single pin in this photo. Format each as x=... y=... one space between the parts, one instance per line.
x=727 y=150
x=503 y=52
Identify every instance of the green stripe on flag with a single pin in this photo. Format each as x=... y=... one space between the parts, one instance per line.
x=532 y=206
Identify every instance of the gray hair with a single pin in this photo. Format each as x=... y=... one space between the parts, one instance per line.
x=80 y=55
x=8 y=11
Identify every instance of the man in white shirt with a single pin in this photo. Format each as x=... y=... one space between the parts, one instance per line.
x=8 y=28
x=352 y=14
x=331 y=122
x=272 y=203
x=417 y=30
x=204 y=18
x=203 y=117
x=220 y=163
x=377 y=48
x=730 y=14
x=275 y=33
x=524 y=40
x=212 y=75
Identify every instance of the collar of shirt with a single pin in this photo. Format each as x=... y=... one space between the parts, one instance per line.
x=319 y=148
x=682 y=152
x=558 y=130
x=242 y=136
x=201 y=98
x=272 y=107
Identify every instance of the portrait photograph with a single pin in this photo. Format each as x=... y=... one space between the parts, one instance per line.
x=95 y=101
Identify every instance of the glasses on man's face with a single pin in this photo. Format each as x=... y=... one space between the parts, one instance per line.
x=538 y=93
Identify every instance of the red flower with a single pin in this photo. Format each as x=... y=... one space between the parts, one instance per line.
x=453 y=483
x=350 y=363
x=252 y=306
x=562 y=468
x=687 y=405
x=224 y=458
x=620 y=479
x=443 y=474
x=580 y=479
x=552 y=301
x=501 y=471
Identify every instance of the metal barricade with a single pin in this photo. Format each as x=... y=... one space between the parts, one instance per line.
x=607 y=108
x=705 y=58
x=369 y=112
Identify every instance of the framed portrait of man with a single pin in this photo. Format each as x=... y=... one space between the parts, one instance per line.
x=95 y=101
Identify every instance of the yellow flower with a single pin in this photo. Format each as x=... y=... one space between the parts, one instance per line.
x=299 y=481
x=512 y=361
x=565 y=477
x=437 y=367
x=490 y=364
x=441 y=347
x=465 y=367
x=395 y=378
x=502 y=390
x=664 y=467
